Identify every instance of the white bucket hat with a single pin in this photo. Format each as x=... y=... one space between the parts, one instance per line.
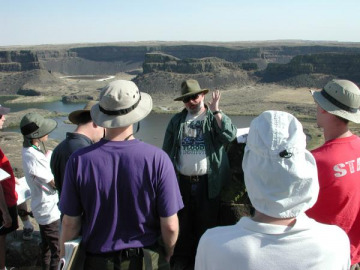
x=280 y=174
x=341 y=98
x=121 y=105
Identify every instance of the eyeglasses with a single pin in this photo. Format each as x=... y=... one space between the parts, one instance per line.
x=192 y=97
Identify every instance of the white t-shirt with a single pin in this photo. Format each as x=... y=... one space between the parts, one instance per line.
x=192 y=155
x=38 y=174
x=250 y=245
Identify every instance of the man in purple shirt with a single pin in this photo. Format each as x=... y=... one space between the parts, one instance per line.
x=122 y=193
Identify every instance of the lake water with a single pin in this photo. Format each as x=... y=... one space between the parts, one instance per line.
x=152 y=128
x=57 y=106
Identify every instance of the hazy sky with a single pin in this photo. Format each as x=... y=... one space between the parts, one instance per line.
x=26 y=22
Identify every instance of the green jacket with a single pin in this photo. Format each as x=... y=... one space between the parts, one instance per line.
x=215 y=140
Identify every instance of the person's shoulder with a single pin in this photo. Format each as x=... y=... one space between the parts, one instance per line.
x=321 y=149
x=328 y=231
x=86 y=150
x=356 y=138
x=29 y=151
x=77 y=142
x=335 y=143
x=317 y=150
x=149 y=147
x=32 y=157
x=178 y=115
x=2 y=156
x=58 y=148
x=220 y=231
x=151 y=151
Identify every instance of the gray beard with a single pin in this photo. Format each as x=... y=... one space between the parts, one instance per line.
x=196 y=110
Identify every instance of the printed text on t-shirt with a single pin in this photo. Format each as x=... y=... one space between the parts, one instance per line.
x=350 y=166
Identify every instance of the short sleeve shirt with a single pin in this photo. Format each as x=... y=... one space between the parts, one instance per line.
x=38 y=174
x=121 y=189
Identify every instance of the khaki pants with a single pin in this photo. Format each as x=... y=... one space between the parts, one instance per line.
x=152 y=258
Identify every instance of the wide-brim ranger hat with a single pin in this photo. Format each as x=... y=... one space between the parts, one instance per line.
x=4 y=110
x=121 y=104
x=280 y=174
x=74 y=117
x=34 y=126
x=341 y=98
x=189 y=88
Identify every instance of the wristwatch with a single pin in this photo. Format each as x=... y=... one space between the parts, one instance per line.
x=216 y=112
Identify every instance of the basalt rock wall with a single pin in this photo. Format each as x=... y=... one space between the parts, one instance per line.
x=15 y=61
x=274 y=61
x=340 y=65
x=113 y=59
x=163 y=62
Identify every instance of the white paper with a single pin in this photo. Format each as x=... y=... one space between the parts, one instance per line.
x=23 y=190
x=4 y=175
x=242 y=134
x=71 y=248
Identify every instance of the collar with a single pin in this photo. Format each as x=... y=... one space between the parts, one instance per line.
x=302 y=223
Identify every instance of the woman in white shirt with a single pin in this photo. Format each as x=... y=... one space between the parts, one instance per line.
x=36 y=164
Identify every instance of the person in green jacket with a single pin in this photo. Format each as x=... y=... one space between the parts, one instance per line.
x=195 y=140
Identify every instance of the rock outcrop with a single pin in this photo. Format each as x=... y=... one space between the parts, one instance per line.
x=284 y=62
x=23 y=254
x=30 y=83
x=340 y=65
x=168 y=63
x=163 y=73
x=111 y=59
x=77 y=98
x=15 y=61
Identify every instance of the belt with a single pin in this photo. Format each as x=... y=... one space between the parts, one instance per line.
x=123 y=253
x=126 y=253
x=193 y=179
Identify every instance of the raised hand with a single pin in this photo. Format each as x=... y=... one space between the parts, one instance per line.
x=214 y=103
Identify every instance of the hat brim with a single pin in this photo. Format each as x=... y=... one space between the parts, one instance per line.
x=74 y=116
x=4 y=110
x=278 y=191
x=205 y=91
x=114 y=121
x=333 y=109
x=46 y=127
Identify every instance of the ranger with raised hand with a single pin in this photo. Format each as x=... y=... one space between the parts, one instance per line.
x=195 y=140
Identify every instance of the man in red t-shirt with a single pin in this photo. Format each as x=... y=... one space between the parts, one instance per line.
x=8 y=198
x=338 y=161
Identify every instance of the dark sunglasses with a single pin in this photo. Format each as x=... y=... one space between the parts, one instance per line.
x=192 y=97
